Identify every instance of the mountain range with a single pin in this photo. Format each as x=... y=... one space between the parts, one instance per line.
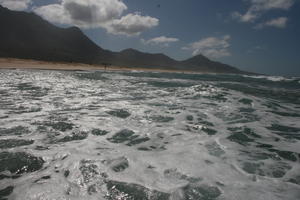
x=28 y=36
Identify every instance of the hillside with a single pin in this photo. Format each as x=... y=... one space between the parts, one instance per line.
x=26 y=35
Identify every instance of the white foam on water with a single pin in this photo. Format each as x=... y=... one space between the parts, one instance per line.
x=176 y=143
x=272 y=78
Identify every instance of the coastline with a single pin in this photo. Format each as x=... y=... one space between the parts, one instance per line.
x=16 y=63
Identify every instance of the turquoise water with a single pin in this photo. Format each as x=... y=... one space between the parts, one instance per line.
x=138 y=135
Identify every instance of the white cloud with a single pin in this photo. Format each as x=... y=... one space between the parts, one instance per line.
x=131 y=24
x=85 y=14
x=271 y=4
x=97 y=13
x=54 y=13
x=15 y=4
x=279 y=22
x=258 y=7
x=249 y=16
x=162 y=40
x=212 y=47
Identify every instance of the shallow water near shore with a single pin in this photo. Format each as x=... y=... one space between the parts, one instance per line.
x=143 y=135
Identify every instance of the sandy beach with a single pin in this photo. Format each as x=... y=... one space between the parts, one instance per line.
x=15 y=63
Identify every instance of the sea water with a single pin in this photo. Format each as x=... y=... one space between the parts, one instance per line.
x=142 y=135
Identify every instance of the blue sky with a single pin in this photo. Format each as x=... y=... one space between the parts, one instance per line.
x=254 y=35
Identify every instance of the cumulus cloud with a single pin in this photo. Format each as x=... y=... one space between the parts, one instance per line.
x=271 y=4
x=54 y=13
x=97 y=13
x=212 y=47
x=258 y=7
x=85 y=14
x=249 y=16
x=279 y=22
x=131 y=24
x=162 y=40
x=15 y=4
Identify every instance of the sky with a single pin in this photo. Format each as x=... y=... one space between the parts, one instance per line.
x=255 y=35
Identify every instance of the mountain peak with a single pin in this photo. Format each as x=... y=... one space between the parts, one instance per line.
x=134 y=51
x=27 y=35
x=199 y=57
x=130 y=50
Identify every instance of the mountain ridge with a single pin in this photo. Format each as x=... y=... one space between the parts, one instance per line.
x=28 y=36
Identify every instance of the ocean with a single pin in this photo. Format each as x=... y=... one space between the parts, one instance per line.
x=148 y=136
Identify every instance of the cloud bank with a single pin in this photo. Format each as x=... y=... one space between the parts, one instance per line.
x=279 y=22
x=97 y=13
x=162 y=40
x=132 y=24
x=211 y=47
x=258 y=7
x=15 y=4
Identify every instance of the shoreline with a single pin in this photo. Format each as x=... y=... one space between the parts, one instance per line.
x=16 y=63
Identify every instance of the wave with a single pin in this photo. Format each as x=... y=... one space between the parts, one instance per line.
x=275 y=78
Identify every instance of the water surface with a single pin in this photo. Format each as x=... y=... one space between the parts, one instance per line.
x=138 y=135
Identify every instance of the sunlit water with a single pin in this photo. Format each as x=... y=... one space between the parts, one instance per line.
x=138 y=136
